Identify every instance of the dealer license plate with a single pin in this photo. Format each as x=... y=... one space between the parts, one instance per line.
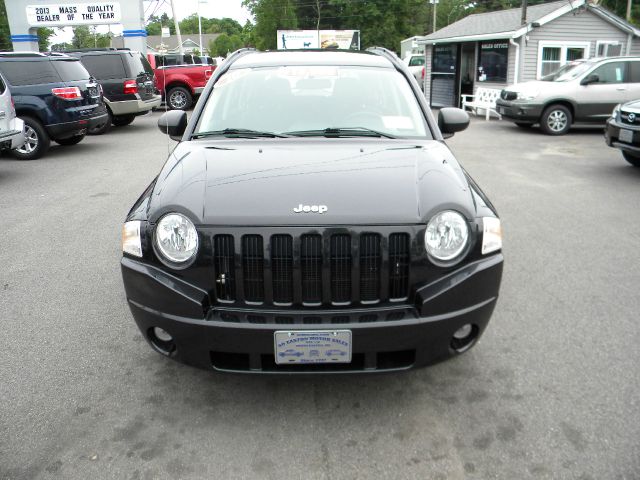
x=625 y=135
x=326 y=346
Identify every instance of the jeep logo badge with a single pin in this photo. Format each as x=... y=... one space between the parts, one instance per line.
x=310 y=209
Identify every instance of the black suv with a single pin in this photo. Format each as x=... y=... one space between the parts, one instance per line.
x=312 y=219
x=55 y=96
x=127 y=80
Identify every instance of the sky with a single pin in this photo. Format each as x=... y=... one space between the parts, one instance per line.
x=184 y=8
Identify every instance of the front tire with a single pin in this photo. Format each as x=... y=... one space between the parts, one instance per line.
x=179 y=98
x=38 y=141
x=70 y=141
x=631 y=158
x=122 y=120
x=556 y=120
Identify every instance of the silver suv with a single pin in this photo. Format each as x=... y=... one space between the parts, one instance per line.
x=11 y=127
x=583 y=91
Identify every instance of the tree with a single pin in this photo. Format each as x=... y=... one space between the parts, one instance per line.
x=271 y=15
x=155 y=24
x=85 y=37
x=44 y=34
x=5 y=35
x=224 y=44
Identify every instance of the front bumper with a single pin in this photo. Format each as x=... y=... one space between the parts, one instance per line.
x=519 y=111
x=384 y=338
x=612 y=136
x=138 y=106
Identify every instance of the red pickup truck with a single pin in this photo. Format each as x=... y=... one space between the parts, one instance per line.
x=179 y=84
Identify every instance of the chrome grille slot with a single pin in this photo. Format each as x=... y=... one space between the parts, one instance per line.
x=340 y=264
x=398 y=266
x=223 y=264
x=311 y=267
x=253 y=268
x=282 y=268
x=370 y=266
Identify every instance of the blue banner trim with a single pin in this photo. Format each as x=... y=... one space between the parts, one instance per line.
x=24 y=38
x=134 y=33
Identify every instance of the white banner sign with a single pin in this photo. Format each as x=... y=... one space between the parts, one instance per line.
x=54 y=15
x=297 y=39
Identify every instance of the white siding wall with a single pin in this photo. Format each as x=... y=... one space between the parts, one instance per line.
x=576 y=26
x=427 y=78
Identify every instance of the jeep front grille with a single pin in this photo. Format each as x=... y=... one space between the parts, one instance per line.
x=312 y=269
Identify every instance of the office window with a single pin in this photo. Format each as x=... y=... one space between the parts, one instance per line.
x=493 y=59
x=553 y=55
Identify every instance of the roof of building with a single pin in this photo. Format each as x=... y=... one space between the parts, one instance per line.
x=171 y=42
x=507 y=23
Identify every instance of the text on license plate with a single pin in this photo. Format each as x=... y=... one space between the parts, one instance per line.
x=326 y=346
x=625 y=135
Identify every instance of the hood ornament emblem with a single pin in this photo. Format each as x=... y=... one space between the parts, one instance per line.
x=311 y=209
x=632 y=117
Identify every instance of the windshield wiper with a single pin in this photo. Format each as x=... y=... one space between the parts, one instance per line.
x=342 y=132
x=238 y=133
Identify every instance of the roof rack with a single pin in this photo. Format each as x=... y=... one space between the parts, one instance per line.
x=105 y=49
x=386 y=53
x=21 y=54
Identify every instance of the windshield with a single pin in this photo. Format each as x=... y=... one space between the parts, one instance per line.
x=305 y=98
x=568 y=72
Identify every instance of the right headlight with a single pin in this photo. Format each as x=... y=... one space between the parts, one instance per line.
x=176 y=238
x=446 y=236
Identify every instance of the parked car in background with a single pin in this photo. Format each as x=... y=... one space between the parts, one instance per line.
x=623 y=131
x=179 y=84
x=127 y=80
x=11 y=127
x=583 y=92
x=55 y=96
x=417 y=66
x=340 y=265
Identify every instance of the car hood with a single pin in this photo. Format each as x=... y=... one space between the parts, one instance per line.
x=358 y=181
x=633 y=106
x=535 y=87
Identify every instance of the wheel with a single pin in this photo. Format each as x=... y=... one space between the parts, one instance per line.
x=70 y=141
x=524 y=124
x=179 y=98
x=122 y=120
x=556 y=120
x=631 y=158
x=37 y=143
x=102 y=129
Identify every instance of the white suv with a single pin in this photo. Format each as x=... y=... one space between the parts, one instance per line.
x=11 y=127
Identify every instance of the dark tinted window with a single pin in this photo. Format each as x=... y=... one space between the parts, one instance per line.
x=29 y=72
x=444 y=58
x=2 y=87
x=136 y=68
x=146 y=65
x=634 y=72
x=71 y=70
x=492 y=61
x=104 y=67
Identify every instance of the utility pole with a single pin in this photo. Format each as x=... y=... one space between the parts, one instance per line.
x=175 y=21
x=628 y=10
x=524 y=12
x=200 y=27
x=434 y=3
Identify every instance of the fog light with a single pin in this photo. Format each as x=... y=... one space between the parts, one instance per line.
x=162 y=335
x=464 y=338
x=462 y=333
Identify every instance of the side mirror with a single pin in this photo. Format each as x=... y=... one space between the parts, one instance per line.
x=173 y=123
x=593 y=78
x=452 y=120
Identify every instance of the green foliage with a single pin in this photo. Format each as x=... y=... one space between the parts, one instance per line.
x=271 y=15
x=225 y=44
x=155 y=24
x=44 y=34
x=5 y=35
x=85 y=37
x=619 y=7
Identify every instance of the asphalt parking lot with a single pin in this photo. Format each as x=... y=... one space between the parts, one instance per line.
x=551 y=391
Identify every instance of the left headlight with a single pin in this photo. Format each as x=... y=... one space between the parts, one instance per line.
x=616 y=109
x=176 y=238
x=446 y=236
x=131 y=242
x=530 y=95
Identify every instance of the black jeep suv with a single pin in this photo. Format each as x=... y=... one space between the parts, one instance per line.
x=127 y=81
x=312 y=219
x=55 y=96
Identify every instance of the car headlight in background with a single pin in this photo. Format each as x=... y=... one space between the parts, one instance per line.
x=446 y=236
x=527 y=95
x=131 y=242
x=616 y=109
x=491 y=235
x=176 y=238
